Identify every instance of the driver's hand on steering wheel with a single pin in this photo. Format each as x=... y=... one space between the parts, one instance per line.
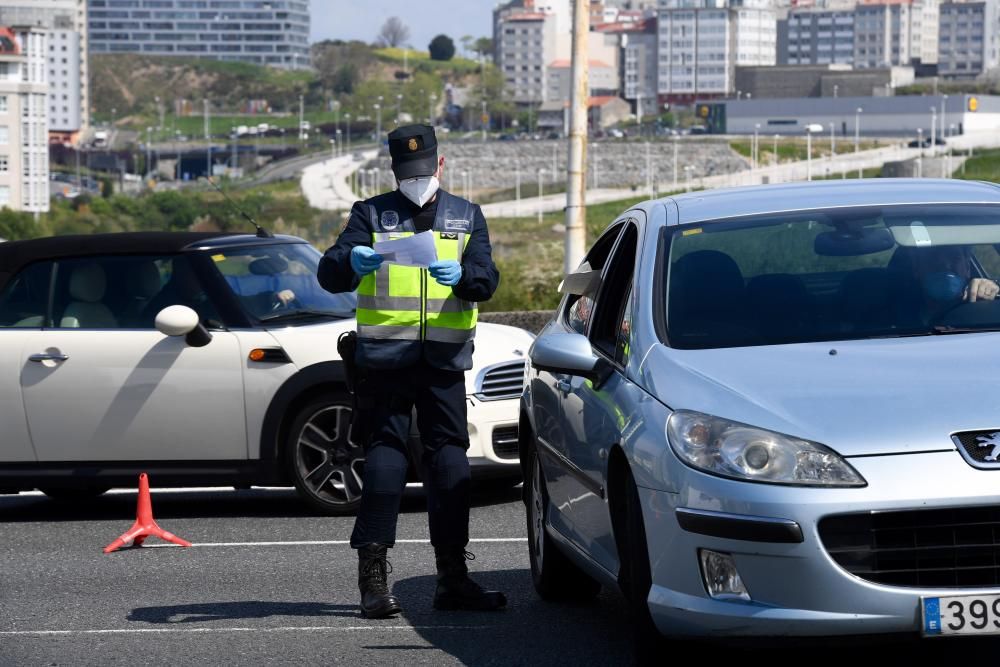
x=981 y=289
x=286 y=296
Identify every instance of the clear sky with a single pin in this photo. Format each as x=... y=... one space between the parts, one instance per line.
x=361 y=19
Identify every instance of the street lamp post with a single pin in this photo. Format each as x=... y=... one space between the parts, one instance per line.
x=347 y=118
x=833 y=142
x=540 y=174
x=675 y=163
x=333 y=148
x=430 y=108
x=378 y=127
x=857 y=137
x=340 y=142
x=517 y=186
x=755 y=159
x=482 y=119
x=687 y=177
x=399 y=108
x=920 y=157
x=774 y=149
x=835 y=89
x=149 y=147
x=933 y=126
x=649 y=170
x=944 y=98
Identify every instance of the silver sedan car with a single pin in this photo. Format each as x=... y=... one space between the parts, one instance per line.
x=775 y=411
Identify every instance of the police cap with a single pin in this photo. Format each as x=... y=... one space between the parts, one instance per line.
x=414 y=151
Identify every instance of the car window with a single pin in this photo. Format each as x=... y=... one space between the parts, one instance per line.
x=24 y=301
x=832 y=274
x=579 y=309
x=624 y=337
x=126 y=292
x=279 y=278
x=615 y=288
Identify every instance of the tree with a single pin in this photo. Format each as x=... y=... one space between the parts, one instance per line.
x=467 y=44
x=483 y=46
x=442 y=48
x=393 y=33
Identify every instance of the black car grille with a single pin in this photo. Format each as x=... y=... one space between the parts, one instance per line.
x=505 y=442
x=501 y=381
x=941 y=548
x=978 y=451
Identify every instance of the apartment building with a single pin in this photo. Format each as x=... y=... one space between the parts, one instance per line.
x=68 y=75
x=702 y=41
x=528 y=36
x=24 y=143
x=968 y=38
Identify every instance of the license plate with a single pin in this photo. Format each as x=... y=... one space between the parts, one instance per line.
x=962 y=615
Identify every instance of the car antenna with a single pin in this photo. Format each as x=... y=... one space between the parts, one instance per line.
x=261 y=232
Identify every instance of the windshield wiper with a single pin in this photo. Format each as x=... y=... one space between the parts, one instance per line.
x=947 y=329
x=300 y=315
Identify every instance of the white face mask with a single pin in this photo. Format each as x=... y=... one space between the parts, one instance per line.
x=419 y=190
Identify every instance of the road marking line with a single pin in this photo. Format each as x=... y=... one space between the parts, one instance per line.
x=308 y=543
x=315 y=628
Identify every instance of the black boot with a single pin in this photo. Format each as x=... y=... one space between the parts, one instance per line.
x=373 y=570
x=454 y=588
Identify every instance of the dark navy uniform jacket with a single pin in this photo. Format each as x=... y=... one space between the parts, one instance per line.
x=480 y=275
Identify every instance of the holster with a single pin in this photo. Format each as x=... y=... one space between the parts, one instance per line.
x=358 y=384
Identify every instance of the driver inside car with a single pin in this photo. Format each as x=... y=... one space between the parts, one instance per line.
x=185 y=289
x=946 y=276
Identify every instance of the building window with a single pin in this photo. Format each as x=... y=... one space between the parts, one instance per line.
x=4 y=135
x=3 y=164
x=3 y=104
x=4 y=195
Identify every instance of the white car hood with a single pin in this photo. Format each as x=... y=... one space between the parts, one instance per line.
x=869 y=397
x=315 y=343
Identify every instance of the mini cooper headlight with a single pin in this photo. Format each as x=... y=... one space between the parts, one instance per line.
x=743 y=452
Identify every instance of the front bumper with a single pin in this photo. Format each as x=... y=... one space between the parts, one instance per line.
x=796 y=587
x=491 y=425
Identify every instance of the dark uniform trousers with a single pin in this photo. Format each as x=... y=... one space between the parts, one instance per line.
x=439 y=398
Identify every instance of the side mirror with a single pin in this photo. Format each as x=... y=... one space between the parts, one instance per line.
x=182 y=321
x=569 y=353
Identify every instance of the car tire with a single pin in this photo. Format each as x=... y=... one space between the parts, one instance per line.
x=635 y=579
x=325 y=466
x=555 y=577
x=76 y=494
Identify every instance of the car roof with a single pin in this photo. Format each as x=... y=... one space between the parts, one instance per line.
x=780 y=198
x=16 y=254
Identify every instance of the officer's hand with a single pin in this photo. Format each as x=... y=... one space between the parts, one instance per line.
x=364 y=260
x=446 y=271
x=981 y=289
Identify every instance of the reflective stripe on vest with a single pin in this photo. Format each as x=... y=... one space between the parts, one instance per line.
x=395 y=301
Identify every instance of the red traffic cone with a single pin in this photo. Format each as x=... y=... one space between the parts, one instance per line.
x=144 y=525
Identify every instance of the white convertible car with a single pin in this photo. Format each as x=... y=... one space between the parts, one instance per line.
x=103 y=376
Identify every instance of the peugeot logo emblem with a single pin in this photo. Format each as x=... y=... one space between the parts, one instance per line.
x=991 y=440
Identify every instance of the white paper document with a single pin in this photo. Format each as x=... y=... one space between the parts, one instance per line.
x=416 y=250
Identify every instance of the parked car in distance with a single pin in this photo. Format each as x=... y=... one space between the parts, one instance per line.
x=770 y=411
x=201 y=359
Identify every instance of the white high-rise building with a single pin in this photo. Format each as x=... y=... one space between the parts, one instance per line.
x=702 y=41
x=66 y=21
x=969 y=43
x=528 y=36
x=24 y=140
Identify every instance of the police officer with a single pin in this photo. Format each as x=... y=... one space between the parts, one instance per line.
x=415 y=340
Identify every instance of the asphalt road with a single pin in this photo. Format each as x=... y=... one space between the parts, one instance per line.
x=267 y=582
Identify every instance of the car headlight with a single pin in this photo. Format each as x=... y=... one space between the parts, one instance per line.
x=731 y=449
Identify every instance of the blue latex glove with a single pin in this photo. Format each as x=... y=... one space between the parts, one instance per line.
x=364 y=260
x=446 y=271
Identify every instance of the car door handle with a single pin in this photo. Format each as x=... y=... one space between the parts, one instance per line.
x=564 y=386
x=45 y=356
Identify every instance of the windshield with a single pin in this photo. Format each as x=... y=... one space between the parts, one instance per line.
x=834 y=274
x=278 y=280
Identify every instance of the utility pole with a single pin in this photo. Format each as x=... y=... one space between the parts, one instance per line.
x=208 y=139
x=482 y=119
x=576 y=213
x=302 y=118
